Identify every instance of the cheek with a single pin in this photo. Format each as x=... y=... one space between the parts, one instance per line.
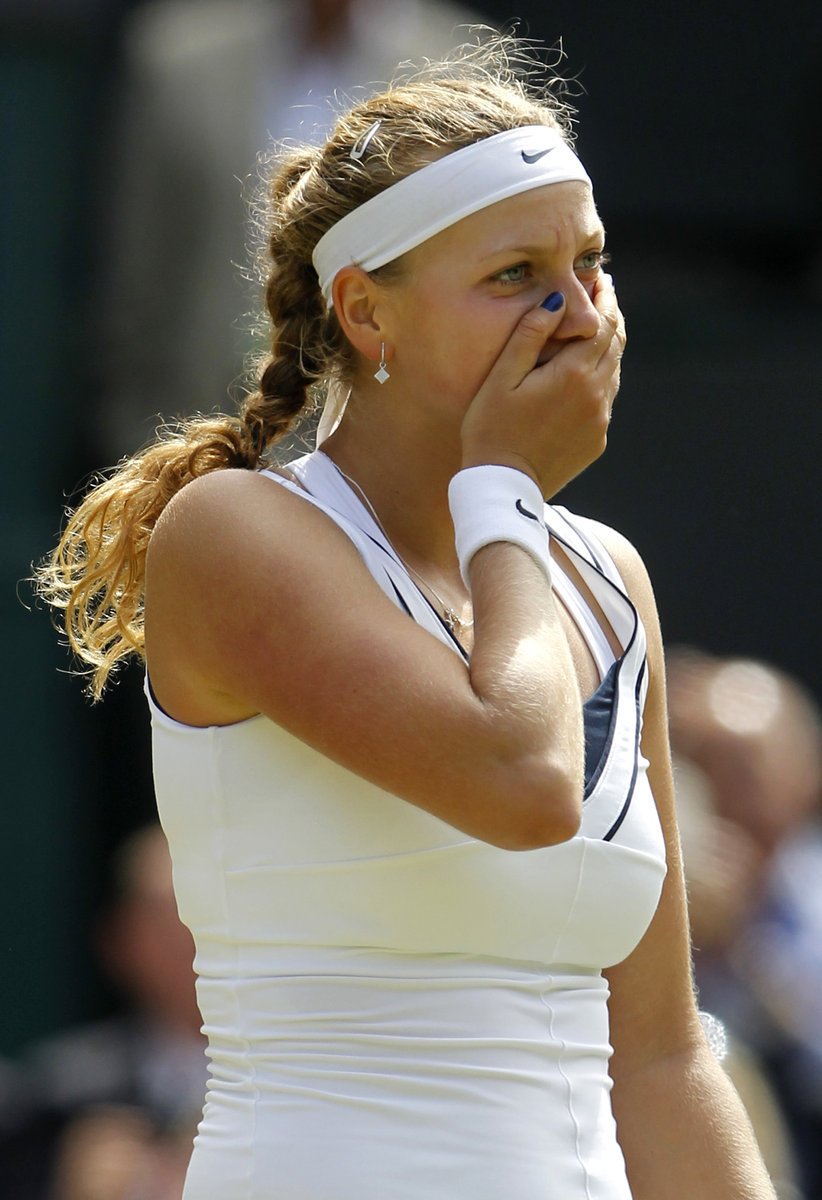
x=453 y=341
x=476 y=346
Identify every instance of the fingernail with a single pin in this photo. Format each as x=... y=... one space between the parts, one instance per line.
x=554 y=302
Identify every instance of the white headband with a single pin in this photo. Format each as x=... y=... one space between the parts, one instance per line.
x=412 y=210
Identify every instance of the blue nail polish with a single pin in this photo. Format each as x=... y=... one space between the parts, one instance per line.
x=554 y=302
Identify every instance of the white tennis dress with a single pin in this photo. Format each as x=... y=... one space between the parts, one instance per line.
x=395 y=1010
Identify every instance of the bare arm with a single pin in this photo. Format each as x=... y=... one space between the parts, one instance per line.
x=311 y=641
x=681 y=1125
x=261 y=604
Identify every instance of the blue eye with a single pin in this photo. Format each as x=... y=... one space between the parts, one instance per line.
x=513 y=274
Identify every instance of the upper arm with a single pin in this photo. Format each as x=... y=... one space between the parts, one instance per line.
x=257 y=602
x=652 y=1008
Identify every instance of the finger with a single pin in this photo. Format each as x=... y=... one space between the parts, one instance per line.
x=612 y=323
x=605 y=301
x=608 y=373
x=604 y=293
x=612 y=347
x=519 y=355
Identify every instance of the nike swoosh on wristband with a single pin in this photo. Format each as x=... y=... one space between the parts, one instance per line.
x=527 y=513
x=532 y=158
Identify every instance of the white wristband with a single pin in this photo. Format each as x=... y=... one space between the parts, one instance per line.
x=497 y=504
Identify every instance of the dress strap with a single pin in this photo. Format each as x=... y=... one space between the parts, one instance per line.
x=316 y=478
x=584 y=619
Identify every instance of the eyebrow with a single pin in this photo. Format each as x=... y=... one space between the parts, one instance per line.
x=596 y=233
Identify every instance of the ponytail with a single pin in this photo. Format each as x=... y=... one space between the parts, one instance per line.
x=95 y=576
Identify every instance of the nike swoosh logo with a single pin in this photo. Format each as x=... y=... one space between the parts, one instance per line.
x=525 y=512
x=532 y=158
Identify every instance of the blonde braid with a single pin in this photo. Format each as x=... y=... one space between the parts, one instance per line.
x=95 y=577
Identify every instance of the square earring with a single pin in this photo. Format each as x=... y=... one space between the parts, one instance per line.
x=382 y=374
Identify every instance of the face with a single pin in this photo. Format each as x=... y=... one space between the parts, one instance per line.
x=462 y=292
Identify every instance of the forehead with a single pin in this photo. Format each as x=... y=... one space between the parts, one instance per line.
x=555 y=218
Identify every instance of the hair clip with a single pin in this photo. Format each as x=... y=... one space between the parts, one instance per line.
x=361 y=145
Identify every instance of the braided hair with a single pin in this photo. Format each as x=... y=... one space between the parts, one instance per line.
x=95 y=576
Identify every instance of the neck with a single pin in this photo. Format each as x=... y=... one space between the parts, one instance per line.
x=402 y=476
x=405 y=476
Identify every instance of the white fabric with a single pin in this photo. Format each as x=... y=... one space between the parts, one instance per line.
x=497 y=504
x=438 y=195
x=395 y=1009
x=584 y=619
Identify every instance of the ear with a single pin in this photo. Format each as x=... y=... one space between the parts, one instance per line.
x=356 y=297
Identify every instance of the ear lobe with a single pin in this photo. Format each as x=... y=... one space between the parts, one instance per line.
x=355 y=296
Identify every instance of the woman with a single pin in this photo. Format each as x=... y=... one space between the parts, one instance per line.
x=409 y=849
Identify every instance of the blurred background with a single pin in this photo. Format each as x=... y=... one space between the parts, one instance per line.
x=129 y=135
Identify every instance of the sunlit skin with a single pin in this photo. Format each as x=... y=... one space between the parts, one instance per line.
x=445 y=319
x=469 y=285
x=283 y=618
x=460 y=294
x=465 y=387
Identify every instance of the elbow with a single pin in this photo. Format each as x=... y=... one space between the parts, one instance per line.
x=548 y=811
x=542 y=831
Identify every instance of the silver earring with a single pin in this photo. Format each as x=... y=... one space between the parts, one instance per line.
x=382 y=374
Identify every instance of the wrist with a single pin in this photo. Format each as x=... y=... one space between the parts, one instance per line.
x=492 y=502
x=499 y=458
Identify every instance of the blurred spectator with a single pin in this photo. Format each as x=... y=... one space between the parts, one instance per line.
x=208 y=84
x=755 y=734
x=119 y=1099
x=722 y=866
x=748 y=746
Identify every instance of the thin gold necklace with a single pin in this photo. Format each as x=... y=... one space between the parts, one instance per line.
x=455 y=623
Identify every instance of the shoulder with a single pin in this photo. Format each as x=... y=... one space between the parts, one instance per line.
x=239 y=568
x=236 y=507
x=233 y=530
x=627 y=558
x=217 y=491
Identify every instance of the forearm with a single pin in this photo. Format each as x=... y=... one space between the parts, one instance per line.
x=521 y=667
x=685 y=1134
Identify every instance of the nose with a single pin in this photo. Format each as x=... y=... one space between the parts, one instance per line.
x=580 y=318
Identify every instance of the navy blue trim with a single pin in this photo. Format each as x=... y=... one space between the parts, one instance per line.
x=595 y=563
x=600 y=709
x=392 y=554
x=387 y=549
x=404 y=604
x=154 y=699
x=380 y=545
x=623 y=595
x=599 y=717
x=400 y=597
x=624 y=811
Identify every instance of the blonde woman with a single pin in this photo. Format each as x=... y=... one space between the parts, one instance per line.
x=409 y=722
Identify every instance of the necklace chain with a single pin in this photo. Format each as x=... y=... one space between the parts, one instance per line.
x=452 y=619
